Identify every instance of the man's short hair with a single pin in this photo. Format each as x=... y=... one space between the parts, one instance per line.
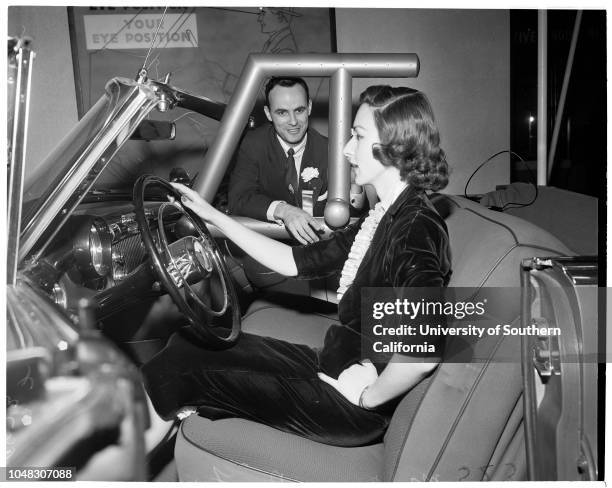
x=286 y=81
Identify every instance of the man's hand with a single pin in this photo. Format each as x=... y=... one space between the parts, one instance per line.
x=299 y=223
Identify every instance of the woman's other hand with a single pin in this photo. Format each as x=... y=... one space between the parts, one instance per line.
x=353 y=380
x=192 y=200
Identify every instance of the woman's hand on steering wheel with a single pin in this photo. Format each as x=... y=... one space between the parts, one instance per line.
x=192 y=200
x=182 y=256
x=353 y=380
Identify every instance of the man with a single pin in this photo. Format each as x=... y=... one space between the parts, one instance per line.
x=281 y=169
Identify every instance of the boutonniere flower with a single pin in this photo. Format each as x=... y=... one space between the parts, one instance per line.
x=310 y=177
x=309 y=173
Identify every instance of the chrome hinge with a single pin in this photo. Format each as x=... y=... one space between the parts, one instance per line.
x=546 y=357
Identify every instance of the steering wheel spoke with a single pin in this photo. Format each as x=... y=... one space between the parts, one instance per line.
x=183 y=263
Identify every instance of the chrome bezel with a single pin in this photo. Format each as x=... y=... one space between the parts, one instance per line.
x=59 y=295
x=93 y=248
x=100 y=252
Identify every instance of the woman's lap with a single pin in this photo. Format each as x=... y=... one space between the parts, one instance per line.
x=261 y=379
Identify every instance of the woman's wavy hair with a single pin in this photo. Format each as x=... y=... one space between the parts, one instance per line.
x=409 y=137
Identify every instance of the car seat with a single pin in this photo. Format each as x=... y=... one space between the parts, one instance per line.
x=463 y=422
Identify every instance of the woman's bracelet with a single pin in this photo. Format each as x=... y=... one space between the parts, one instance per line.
x=361 y=404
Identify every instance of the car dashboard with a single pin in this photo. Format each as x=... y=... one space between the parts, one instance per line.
x=99 y=255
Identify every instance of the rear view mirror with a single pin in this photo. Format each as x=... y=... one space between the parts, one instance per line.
x=155 y=130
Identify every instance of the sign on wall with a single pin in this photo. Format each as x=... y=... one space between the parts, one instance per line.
x=204 y=50
x=130 y=32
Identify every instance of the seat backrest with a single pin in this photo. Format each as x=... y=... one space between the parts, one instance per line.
x=465 y=421
x=558 y=211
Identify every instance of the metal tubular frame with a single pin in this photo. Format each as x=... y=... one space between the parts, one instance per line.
x=57 y=206
x=340 y=100
x=341 y=68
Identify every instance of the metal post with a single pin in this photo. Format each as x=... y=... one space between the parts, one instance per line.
x=340 y=97
x=542 y=91
x=563 y=96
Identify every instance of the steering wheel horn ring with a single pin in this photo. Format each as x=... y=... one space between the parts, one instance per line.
x=188 y=260
x=191 y=259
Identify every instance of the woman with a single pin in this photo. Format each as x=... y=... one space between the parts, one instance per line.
x=332 y=395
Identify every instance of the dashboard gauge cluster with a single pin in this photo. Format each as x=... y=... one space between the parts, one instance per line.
x=107 y=250
x=127 y=251
x=94 y=254
x=127 y=254
x=99 y=248
x=92 y=248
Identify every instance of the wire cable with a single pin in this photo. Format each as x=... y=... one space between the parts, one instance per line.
x=144 y=64
x=508 y=204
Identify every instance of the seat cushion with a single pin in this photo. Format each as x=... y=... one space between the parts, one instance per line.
x=240 y=450
x=449 y=428
x=304 y=323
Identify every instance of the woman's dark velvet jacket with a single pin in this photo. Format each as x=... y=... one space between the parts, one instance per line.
x=410 y=248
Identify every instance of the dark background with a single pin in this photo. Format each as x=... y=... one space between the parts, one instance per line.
x=580 y=159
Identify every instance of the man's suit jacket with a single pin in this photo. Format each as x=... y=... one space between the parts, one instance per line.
x=259 y=175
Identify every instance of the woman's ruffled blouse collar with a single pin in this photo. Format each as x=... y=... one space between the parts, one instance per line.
x=364 y=238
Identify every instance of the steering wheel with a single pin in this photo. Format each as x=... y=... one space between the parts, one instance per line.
x=180 y=262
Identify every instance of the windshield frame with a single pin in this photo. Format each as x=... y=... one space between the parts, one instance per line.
x=126 y=103
x=19 y=64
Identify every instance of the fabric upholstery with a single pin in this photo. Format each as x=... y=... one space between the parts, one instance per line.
x=239 y=450
x=558 y=211
x=466 y=405
x=462 y=423
x=509 y=456
x=487 y=248
x=304 y=323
